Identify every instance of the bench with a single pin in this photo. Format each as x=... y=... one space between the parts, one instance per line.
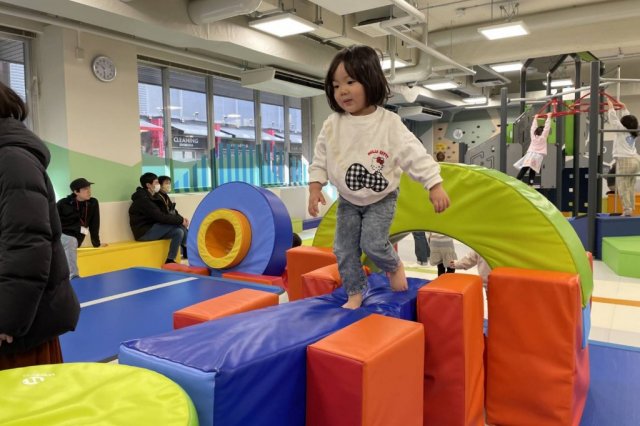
x=122 y=255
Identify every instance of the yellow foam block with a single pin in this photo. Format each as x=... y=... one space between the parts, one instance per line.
x=123 y=255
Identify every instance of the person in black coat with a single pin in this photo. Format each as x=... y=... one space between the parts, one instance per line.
x=37 y=303
x=79 y=215
x=150 y=222
x=169 y=206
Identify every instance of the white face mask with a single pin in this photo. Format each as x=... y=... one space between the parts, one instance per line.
x=156 y=188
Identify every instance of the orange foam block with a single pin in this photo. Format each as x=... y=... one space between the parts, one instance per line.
x=537 y=370
x=254 y=278
x=301 y=260
x=243 y=300
x=321 y=281
x=451 y=310
x=178 y=267
x=369 y=373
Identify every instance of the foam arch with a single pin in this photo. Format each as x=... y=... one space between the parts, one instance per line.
x=507 y=222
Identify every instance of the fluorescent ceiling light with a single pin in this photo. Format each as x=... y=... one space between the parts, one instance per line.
x=564 y=82
x=443 y=85
x=475 y=100
x=386 y=63
x=283 y=24
x=511 y=66
x=510 y=29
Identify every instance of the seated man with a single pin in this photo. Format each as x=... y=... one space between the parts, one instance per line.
x=79 y=215
x=149 y=222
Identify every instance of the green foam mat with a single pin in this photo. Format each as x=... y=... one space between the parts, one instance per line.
x=622 y=254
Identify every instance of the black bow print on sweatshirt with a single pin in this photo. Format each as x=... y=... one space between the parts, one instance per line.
x=358 y=177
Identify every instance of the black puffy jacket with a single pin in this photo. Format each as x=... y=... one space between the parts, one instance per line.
x=146 y=210
x=37 y=302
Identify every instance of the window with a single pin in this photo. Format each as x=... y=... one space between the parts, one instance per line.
x=235 y=152
x=190 y=165
x=152 y=132
x=298 y=165
x=201 y=131
x=273 y=139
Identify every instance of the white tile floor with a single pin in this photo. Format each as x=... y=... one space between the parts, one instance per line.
x=610 y=322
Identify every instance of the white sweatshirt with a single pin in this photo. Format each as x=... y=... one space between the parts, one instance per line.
x=364 y=156
x=624 y=145
x=539 y=143
x=473 y=259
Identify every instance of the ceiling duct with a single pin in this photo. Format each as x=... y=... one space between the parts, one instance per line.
x=486 y=77
x=281 y=82
x=419 y=113
x=207 y=11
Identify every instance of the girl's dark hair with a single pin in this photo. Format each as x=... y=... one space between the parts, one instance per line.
x=163 y=179
x=630 y=122
x=538 y=131
x=362 y=63
x=11 y=105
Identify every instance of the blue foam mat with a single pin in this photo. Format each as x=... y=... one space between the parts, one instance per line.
x=614 y=391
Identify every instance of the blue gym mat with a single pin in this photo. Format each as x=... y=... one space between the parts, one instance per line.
x=105 y=323
x=614 y=393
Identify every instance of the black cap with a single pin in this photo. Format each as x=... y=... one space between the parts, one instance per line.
x=79 y=183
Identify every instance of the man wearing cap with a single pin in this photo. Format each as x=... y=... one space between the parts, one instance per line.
x=79 y=216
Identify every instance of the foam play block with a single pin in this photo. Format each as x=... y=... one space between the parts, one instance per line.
x=537 y=369
x=369 y=373
x=622 y=254
x=123 y=255
x=243 y=300
x=92 y=394
x=451 y=310
x=304 y=259
x=254 y=278
x=321 y=281
x=187 y=269
x=250 y=368
x=614 y=226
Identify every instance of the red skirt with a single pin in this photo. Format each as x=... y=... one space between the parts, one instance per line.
x=47 y=353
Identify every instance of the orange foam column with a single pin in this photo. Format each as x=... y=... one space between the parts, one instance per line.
x=451 y=310
x=537 y=370
x=243 y=300
x=304 y=259
x=369 y=373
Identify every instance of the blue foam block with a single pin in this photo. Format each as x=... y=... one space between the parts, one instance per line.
x=615 y=386
x=614 y=226
x=271 y=230
x=250 y=369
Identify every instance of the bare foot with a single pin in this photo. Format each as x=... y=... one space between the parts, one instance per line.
x=398 y=279
x=354 y=301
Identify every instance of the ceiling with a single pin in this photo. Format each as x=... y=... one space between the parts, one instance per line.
x=608 y=29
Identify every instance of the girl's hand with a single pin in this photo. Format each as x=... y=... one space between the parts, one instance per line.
x=315 y=197
x=5 y=338
x=439 y=198
x=452 y=264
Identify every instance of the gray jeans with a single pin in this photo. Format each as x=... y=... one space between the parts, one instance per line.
x=364 y=229
x=70 y=246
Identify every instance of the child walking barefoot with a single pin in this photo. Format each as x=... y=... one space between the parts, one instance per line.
x=363 y=150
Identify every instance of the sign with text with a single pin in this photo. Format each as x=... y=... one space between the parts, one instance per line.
x=189 y=142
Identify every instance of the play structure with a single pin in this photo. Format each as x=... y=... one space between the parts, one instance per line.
x=290 y=364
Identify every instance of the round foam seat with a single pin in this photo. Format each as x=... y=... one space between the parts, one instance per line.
x=92 y=394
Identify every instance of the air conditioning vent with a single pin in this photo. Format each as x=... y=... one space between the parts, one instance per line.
x=281 y=82
x=489 y=82
x=419 y=113
x=372 y=28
